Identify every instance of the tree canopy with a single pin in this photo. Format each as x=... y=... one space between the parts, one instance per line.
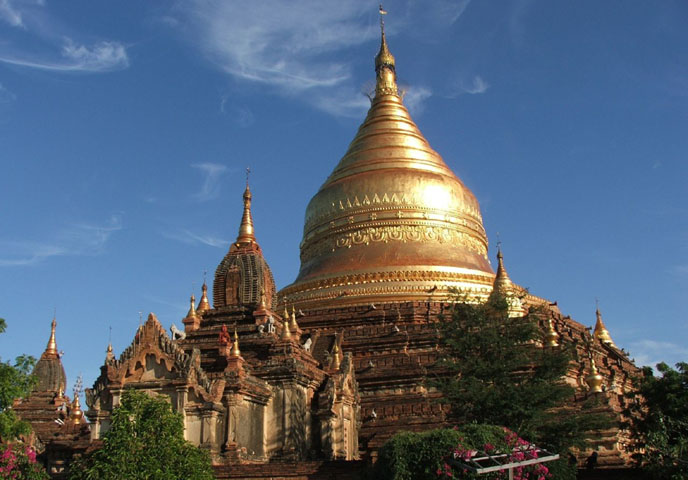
x=145 y=441
x=16 y=382
x=493 y=370
x=659 y=421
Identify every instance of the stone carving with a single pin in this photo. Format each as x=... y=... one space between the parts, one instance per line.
x=271 y=324
x=176 y=333
x=223 y=336
x=307 y=345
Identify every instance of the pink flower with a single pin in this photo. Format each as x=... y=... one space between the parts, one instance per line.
x=31 y=454
x=6 y=454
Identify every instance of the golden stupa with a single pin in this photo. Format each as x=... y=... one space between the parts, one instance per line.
x=392 y=222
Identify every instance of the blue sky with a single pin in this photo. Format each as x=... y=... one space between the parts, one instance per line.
x=125 y=129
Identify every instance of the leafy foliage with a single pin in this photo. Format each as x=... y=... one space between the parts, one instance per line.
x=145 y=441
x=419 y=456
x=16 y=382
x=659 y=421
x=430 y=455
x=494 y=372
x=18 y=462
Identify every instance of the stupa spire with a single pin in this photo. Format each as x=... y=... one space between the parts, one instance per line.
x=594 y=380
x=246 y=233
x=293 y=325
x=385 y=69
x=502 y=282
x=503 y=287
x=601 y=333
x=286 y=333
x=51 y=348
x=204 y=304
x=192 y=307
x=235 y=352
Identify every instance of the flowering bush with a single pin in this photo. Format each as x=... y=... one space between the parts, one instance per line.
x=514 y=447
x=18 y=462
x=437 y=454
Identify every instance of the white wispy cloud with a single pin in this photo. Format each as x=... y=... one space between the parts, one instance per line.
x=10 y=14
x=240 y=115
x=101 y=57
x=414 y=97
x=478 y=85
x=58 y=52
x=5 y=95
x=196 y=238
x=681 y=269
x=74 y=240
x=210 y=188
x=295 y=48
x=651 y=352
x=343 y=102
x=283 y=44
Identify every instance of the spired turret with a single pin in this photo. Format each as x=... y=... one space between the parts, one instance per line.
x=392 y=222
x=49 y=371
x=243 y=278
x=504 y=288
x=601 y=333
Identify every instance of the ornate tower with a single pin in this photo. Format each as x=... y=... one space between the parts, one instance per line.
x=49 y=370
x=392 y=222
x=244 y=277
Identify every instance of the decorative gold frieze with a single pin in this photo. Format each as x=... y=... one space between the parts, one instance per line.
x=410 y=233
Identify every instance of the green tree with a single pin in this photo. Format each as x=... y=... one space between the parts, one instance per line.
x=492 y=371
x=16 y=382
x=659 y=421
x=145 y=441
x=17 y=461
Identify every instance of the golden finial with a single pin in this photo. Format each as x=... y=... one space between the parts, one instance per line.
x=293 y=325
x=192 y=307
x=51 y=348
x=109 y=355
x=594 y=380
x=76 y=415
x=336 y=360
x=384 y=64
x=503 y=287
x=204 y=304
x=601 y=333
x=262 y=305
x=502 y=277
x=246 y=234
x=235 y=352
x=286 y=334
x=551 y=335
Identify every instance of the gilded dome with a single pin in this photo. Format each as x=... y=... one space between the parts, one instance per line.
x=392 y=221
